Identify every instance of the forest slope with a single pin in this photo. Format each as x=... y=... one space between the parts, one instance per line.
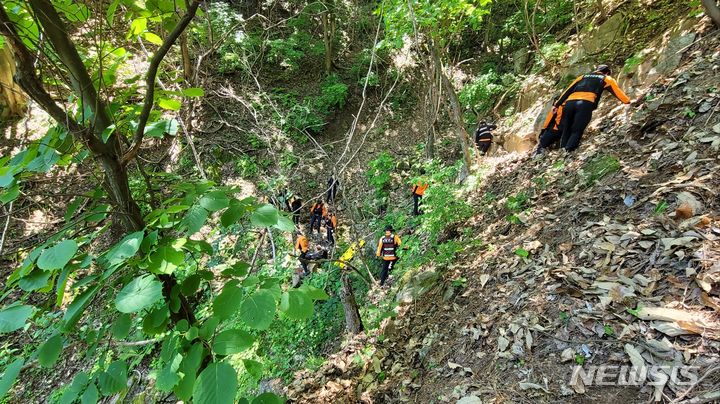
x=578 y=253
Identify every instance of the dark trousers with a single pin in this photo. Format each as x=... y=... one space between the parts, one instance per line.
x=315 y=220
x=303 y=263
x=483 y=147
x=296 y=217
x=417 y=200
x=330 y=194
x=547 y=138
x=387 y=266
x=330 y=234
x=576 y=117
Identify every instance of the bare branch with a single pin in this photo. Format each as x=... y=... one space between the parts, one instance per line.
x=150 y=80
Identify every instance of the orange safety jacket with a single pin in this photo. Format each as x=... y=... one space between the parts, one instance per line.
x=319 y=209
x=302 y=244
x=555 y=122
x=419 y=188
x=589 y=87
x=332 y=220
x=387 y=247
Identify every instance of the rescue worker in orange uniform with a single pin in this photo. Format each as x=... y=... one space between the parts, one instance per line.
x=330 y=226
x=317 y=212
x=418 y=190
x=550 y=132
x=580 y=100
x=387 y=250
x=484 y=136
x=302 y=246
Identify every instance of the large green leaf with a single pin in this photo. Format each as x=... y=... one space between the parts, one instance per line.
x=126 y=248
x=50 y=350
x=114 y=379
x=258 y=310
x=121 y=327
x=165 y=260
x=169 y=104
x=265 y=216
x=231 y=342
x=228 y=301
x=37 y=279
x=193 y=92
x=160 y=128
x=140 y=293
x=268 y=398
x=77 y=307
x=91 y=395
x=314 y=293
x=57 y=256
x=9 y=375
x=189 y=367
x=195 y=219
x=285 y=224
x=255 y=368
x=214 y=201
x=217 y=384
x=78 y=384
x=168 y=377
x=13 y=318
x=296 y=305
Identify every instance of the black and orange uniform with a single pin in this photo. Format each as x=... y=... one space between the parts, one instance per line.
x=550 y=132
x=484 y=136
x=580 y=100
x=302 y=246
x=331 y=225
x=295 y=207
x=418 y=190
x=387 y=250
x=317 y=212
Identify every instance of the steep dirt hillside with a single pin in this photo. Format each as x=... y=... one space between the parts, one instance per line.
x=609 y=256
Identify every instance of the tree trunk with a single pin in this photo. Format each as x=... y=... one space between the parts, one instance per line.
x=12 y=100
x=712 y=10
x=353 y=321
x=328 y=22
x=187 y=64
x=455 y=110
x=108 y=153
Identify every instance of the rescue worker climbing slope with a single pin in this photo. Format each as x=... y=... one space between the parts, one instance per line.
x=302 y=246
x=418 y=190
x=317 y=212
x=580 y=100
x=387 y=250
x=484 y=136
x=295 y=207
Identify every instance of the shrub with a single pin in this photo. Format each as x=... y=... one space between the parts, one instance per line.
x=379 y=173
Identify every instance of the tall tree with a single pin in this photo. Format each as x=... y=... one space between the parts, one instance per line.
x=433 y=25
x=93 y=126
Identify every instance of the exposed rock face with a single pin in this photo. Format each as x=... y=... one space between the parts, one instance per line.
x=662 y=57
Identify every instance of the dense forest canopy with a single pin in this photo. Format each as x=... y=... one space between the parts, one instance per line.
x=161 y=141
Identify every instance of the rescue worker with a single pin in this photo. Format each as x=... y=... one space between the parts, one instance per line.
x=330 y=226
x=332 y=186
x=317 y=212
x=295 y=207
x=484 y=136
x=580 y=100
x=387 y=250
x=302 y=246
x=418 y=190
x=550 y=132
